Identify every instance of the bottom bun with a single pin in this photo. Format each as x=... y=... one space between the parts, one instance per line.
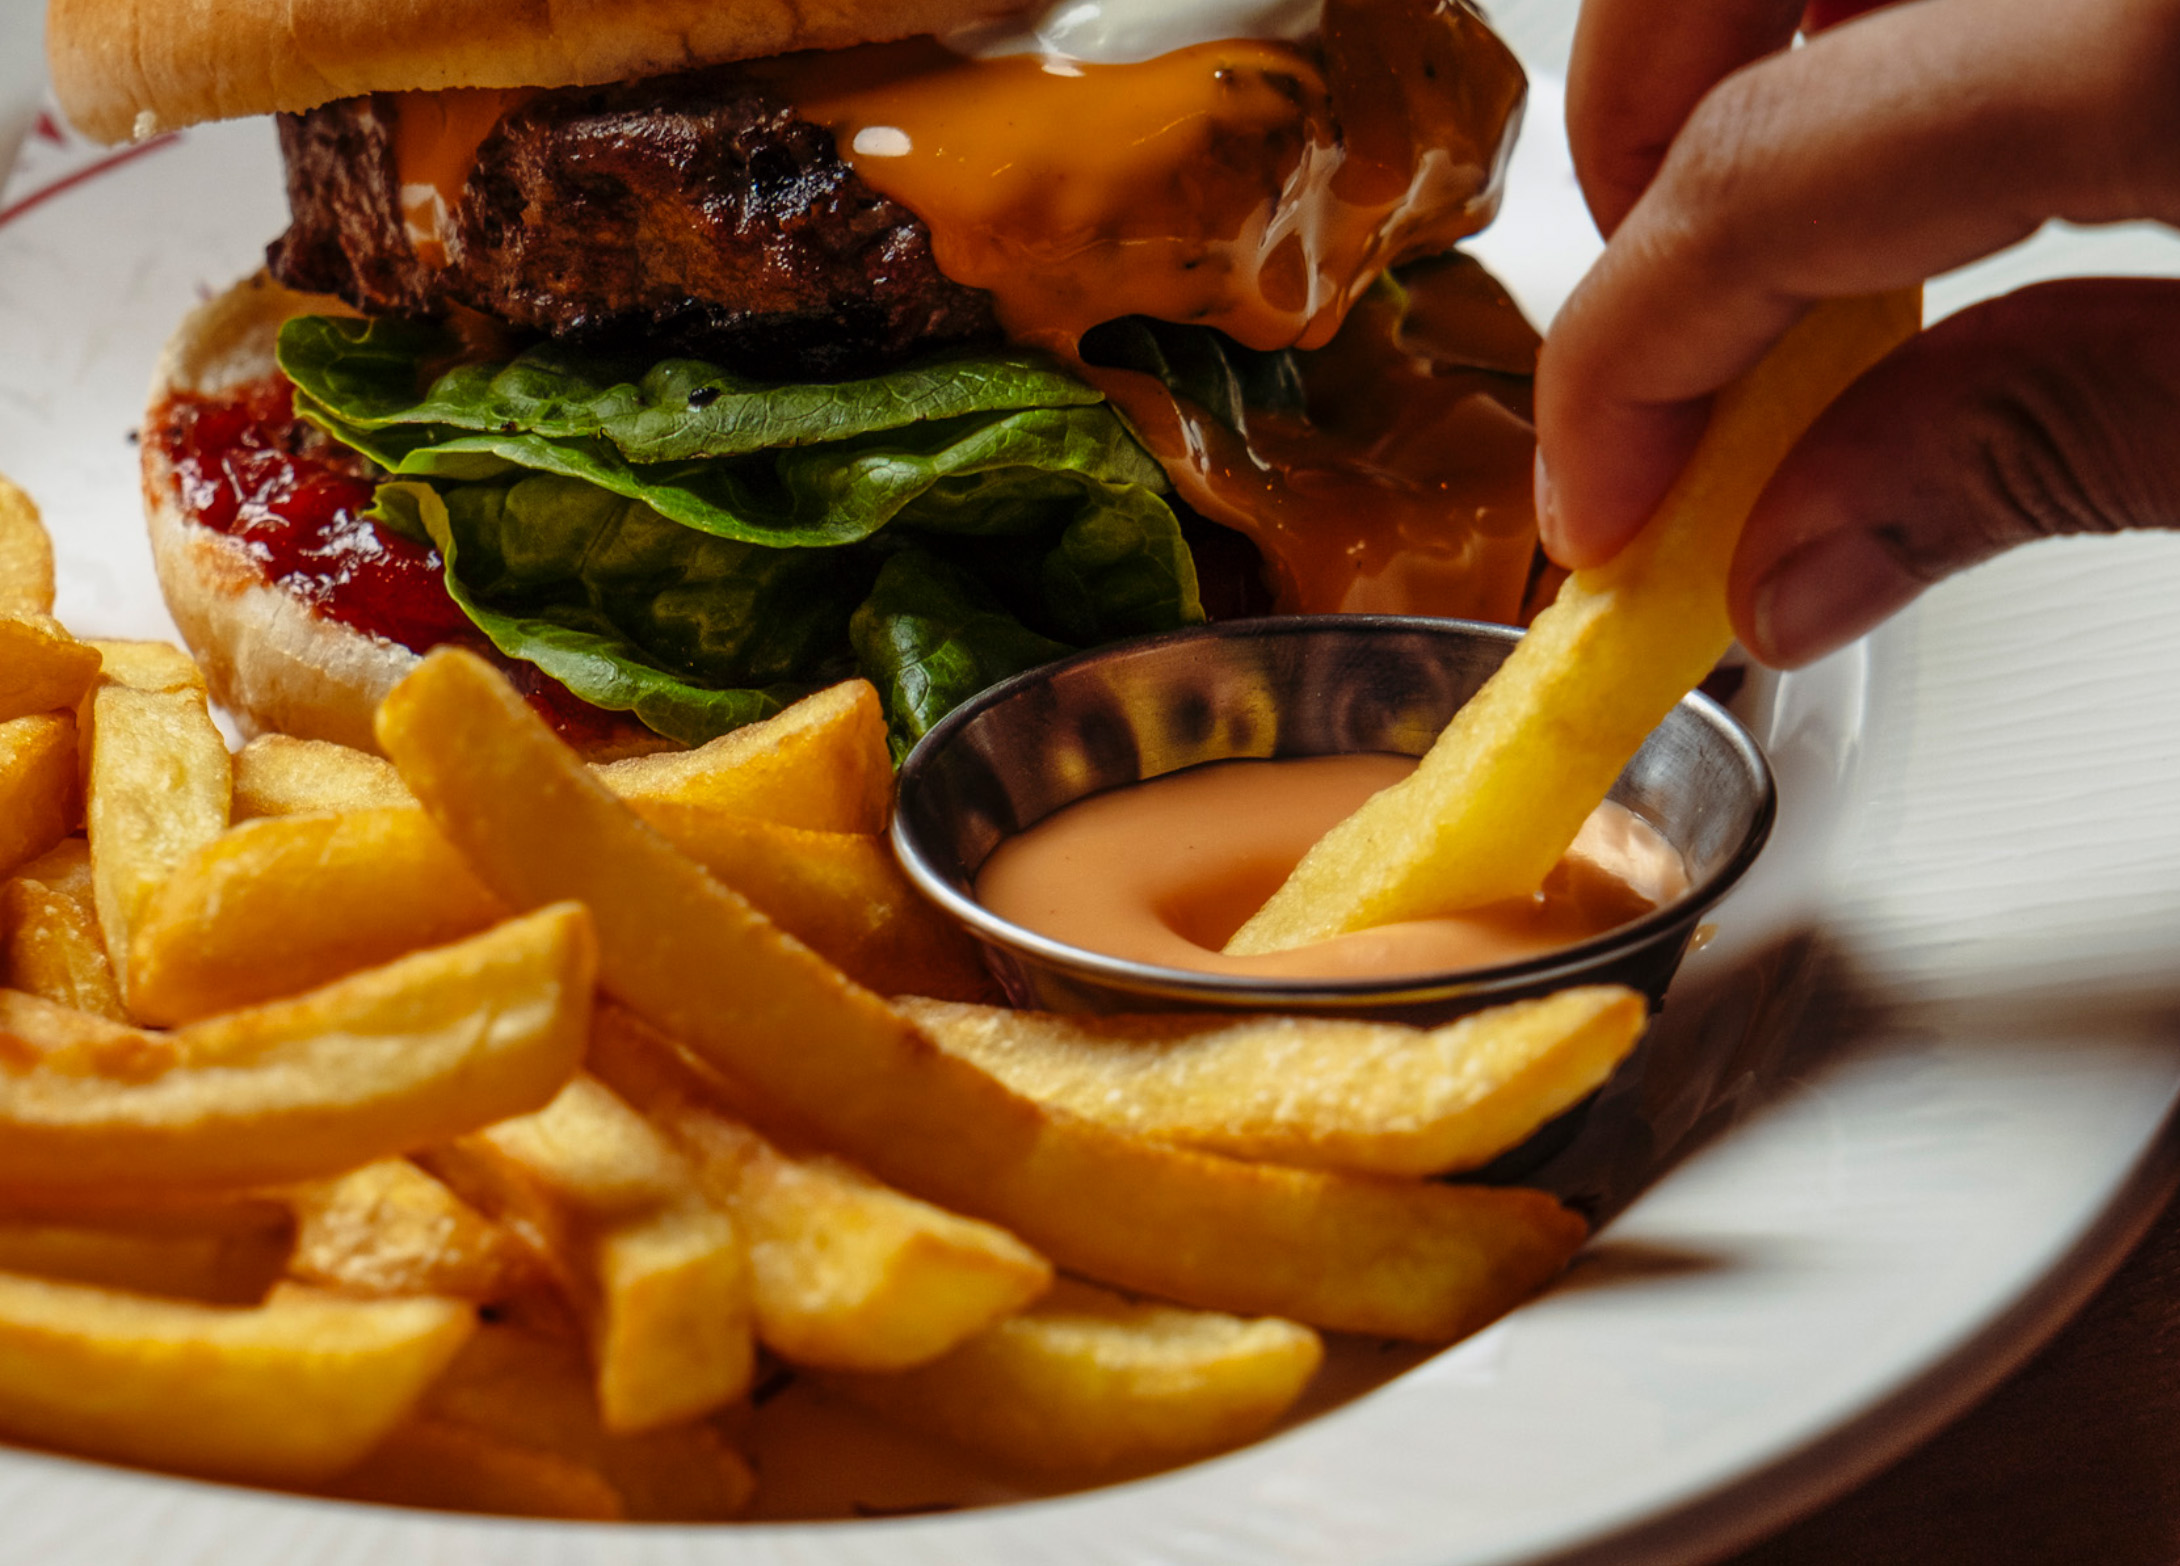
x=271 y=660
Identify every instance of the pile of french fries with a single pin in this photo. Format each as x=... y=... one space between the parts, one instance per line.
x=468 y=1129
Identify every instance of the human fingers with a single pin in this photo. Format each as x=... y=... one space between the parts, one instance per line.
x=1915 y=140
x=2047 y=412
x=1638 y=68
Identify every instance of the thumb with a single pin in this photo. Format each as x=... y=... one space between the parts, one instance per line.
x=2053 y=410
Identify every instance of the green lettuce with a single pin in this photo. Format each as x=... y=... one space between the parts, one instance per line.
x=697 y=549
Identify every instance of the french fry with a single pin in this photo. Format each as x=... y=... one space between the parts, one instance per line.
x=1505 y=788
x=438 y=1466
x=282 y=905
x=156 y=789
x=65 y=870
x=656 y=1272
x=279 y=775
x=37 y=785
x=278 y=905
x=42 y=667
x=696 y=961
x=226 y=1252
x=390 y=1229
x=841 y=894
x=844 y=1272
x=49 y=939
x=288 y=1392
x=148 y=666
x=1086 y=1382
x=821 y=764
x=26 y=555
x=531 y=1390
x=397 y=1058
x=1311 y=1091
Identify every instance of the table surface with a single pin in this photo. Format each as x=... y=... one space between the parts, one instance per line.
x=2075 y=1458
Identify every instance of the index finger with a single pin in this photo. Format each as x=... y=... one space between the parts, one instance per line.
x=1638 y=68
x=1914 y=141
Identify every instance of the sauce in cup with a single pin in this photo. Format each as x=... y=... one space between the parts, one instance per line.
x=1162 y=872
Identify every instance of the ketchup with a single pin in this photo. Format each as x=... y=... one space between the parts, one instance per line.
x=246 y=466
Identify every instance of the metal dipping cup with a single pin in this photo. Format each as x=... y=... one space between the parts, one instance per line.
x=1297 y=686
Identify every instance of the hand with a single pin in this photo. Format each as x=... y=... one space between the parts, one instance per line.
x=1738 y=182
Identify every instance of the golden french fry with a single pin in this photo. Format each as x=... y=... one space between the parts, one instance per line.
x=844 y=1272
x=279 y=905
x=156 y=789
x=822 y=764
x=42 y=667
x=1313 y=1091
x=396 y=1058
x=656 y=1271
x=148 y=666
x=282 y=905
x=26 y=555
x=65 y=870
x=220 y=1253
x=532 y=1390
x=841 y=894
x=38 y=790
x=442 y=1467
x=696 y=961
x=279 y=775
x=50 y=944
x=1086 y=1382
x=1505 y=788
x=389 y=1229
x=288 y=1392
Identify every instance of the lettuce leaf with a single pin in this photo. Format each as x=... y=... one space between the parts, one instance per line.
x=578 y=643
x=692 y=547
x=930 y=636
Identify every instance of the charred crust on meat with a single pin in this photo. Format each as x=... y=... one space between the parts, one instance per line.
x=686 y=212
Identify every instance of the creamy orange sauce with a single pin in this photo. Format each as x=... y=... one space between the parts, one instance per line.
x=1163 y=872
x=436 y=137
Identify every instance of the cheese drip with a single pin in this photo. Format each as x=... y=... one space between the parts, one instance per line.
x=1258 y=186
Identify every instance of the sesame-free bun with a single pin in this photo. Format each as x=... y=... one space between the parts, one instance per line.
x=137 y=67
x=272 y=662
x=275 y=663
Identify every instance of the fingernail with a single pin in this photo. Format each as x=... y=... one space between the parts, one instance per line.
x=1825 y=594
x=1547 y=507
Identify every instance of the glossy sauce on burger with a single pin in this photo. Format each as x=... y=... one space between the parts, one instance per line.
x=1258 y=185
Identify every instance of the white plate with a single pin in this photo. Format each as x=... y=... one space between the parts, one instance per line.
x=1905 y=1189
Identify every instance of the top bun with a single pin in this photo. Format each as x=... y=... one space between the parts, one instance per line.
x=126 y=68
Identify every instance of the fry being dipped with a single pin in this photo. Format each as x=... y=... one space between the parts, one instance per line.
x=1509 y=783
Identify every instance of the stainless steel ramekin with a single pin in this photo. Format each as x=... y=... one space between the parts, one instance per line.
x=1297 y=686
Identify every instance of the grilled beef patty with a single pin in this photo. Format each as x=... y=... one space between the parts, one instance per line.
x=685 y=209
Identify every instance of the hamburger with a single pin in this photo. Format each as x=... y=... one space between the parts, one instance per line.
x=686 y=356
